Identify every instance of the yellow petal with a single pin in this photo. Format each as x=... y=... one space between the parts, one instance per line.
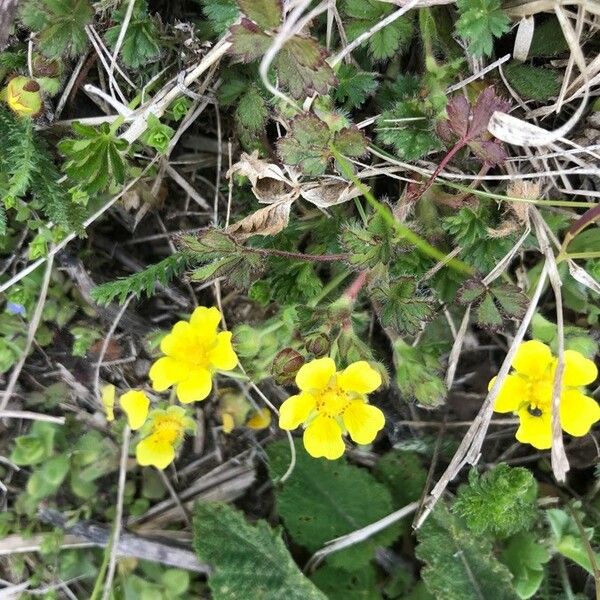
x=578 y=412
x=533 y=358
x=155 y=451
x=359 y=377
x=513 y=393
x=295 y=410
x=316 y=374
x=108 y=401
x=228 y=422
x=181 y=343
x=222 y=356
x=196 y=386
x=206 y=318
x=260 y=419
x=323 y=438
x=533 y=430
x=135 y=405
x=579 y=370
x=363 y=421
x=167 y=371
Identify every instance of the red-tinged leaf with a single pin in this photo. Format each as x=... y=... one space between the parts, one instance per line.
x=248 y=41
x=487 y=104
x=458 y=110
x=351 y=141
x=587 y=218
x=266 y=13
x=489 y=151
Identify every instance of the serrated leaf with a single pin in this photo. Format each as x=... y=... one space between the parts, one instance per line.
x=480 y=21
x=368 y=246
x=221 y=14
x=401 y=307
x=248 y=41
x=306 y=144
x=266 y=13
x=350 y=141
x=338 y=585
x=249 y=561
x=525 y=557
x=314 y=512
x=459 y=566
x=353 y=86
x=487 y=314
x=548 y=39
x=408 y=129
x=252 y=111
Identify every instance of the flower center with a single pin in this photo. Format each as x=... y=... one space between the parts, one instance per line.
x=332 y=401
x=167 y=429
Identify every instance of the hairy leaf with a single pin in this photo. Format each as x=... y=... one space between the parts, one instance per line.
x=533 y=83
x=480 y=21
x=354 y=86
x=267 y=14
x=249 y=561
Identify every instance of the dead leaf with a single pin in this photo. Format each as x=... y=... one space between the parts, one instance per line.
x=517 y=213
x=269 y=182
x=328 y=193
x=268 y=220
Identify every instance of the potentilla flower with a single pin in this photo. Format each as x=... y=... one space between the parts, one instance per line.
x=162 y=434
x=527 y=391
x=194 y=351
x=331 y=404
x=135 y=404
x=108 y=401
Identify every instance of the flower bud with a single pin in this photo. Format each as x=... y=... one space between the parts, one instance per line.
x=286 y=364
x=318 y=344
x=246 y=341
x=23 y=96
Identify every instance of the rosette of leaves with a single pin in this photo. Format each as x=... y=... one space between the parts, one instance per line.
x=300 y=65
x=494 y=303
x=157 y=134
x=311 y=144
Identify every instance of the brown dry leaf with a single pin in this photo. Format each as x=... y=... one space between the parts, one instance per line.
x=269 y=183
x=328 y=193
x=269 y=220
x=517 y=213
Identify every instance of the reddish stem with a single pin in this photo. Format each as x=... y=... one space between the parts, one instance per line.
x=298 y=255
x=352 y=292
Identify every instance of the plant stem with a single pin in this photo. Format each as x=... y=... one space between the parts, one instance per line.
x=297 y=255
x=352 y=292
x=332 y=285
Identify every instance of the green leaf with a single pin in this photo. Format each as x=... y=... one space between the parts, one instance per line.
x=401 y=307
x=479 y=22
x=248 y=41
x=350 y=141
x=501 y=502
x=144 y=282
x=265 y=13
x=157 y=134
x=248 y=561
x=354 y=86
x=325 y=499
x=338 y=584
x=221 y=14
x=371 y=245
x=548 y=39
x=532 y=83
x=140 y=44
x=525 y=557
x=408 y=128
x=459 y=565
x=385 y=43
x=252 y=111
x=403 y=474
x=306 y=144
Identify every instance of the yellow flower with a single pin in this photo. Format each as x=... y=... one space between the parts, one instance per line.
x=135 y=405
x=528 y=393
x=259 y=419
x=108 y=401
x=165 y=430
x=23 y=96
x=194 y=351
x=332 y=403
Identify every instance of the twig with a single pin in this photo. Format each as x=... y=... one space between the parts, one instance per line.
x=33 y=325
x=30 y=416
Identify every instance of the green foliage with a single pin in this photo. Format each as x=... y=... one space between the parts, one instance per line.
x=418 y=374
x=400 y=306
x=354 y=86
x=370 y=245
x=221 y=14
x=479 y=22
x=338 y=584
x=403 y=474
x=157 y=134
x=60 y=23
x=29 y=178
x=144 y=282
x=315 y=512
x=140 y=45
x=468 y=228
x=501 y=502
x=95 y=158
x=249 y=561
x=459 y=565
x=493 y=303
x=310 y=144
x=385 y=43
x=293 y=283
x=576 y=338
x=407 y=128
x=532 y=83
x=267 y=14
x=548 y=39
x=525 y=557
x=83 y=338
